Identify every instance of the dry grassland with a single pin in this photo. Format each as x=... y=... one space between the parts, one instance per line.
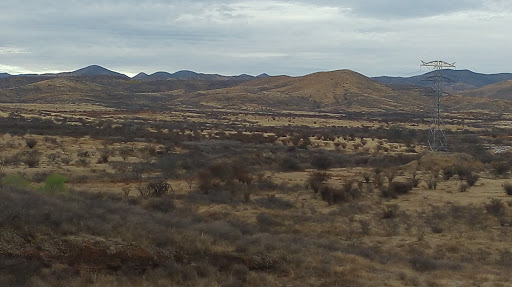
x=227 y=198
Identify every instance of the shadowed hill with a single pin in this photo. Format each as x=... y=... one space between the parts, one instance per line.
x=501 y=90
x=457 y=80
x=105 y=90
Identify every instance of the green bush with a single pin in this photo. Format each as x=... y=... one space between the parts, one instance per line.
x=15 y=180
x=54 y=183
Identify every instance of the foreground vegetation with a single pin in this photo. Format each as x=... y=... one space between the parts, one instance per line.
x=218 y=199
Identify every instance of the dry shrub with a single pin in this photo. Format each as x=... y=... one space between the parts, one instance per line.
x=390 y=211
x=507 y=187
x=66 y=160
x=322 y=162
x=448 y=173
x=267 y=220
x=495 y=207
x=463 y=187
x=289 y=163
x=472 y=178
x=346 y=193
x=104 y=156
x=316 y=179
x=31 y=159
x=163 y=204
x=432 y=183
x=378 y=180
x=31 y=142
x=367 y=177
x=155 y=188
x=396 y=188
x=500 y=168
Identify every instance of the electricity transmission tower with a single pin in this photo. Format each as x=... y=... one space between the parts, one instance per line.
x=437 y=137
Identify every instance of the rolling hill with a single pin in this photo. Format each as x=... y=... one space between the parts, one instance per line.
x=342 y=89
x=4 y=75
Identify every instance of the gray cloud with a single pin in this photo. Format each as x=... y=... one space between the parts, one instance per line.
x=408 y=9
x=233 y=37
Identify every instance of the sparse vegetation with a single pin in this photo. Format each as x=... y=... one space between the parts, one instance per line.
x=15 y=180
x=500 y=168
x=507 y=187
x=222 y=197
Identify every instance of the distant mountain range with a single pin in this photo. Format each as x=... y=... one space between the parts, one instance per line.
x=95 y=70
x=455 y=80
x=190 y=75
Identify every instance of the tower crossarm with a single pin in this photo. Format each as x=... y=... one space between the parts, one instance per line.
x=437 y=65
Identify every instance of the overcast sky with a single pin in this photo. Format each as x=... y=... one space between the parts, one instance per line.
x=233 y=37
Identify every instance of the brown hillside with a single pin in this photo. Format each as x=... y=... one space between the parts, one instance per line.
x=51 y=91
x=501 y=90
x=324 y=87
x=343 y=89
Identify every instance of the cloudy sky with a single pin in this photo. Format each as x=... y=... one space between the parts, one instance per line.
x=373 y=37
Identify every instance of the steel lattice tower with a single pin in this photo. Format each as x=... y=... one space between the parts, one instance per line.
x=437 y=137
